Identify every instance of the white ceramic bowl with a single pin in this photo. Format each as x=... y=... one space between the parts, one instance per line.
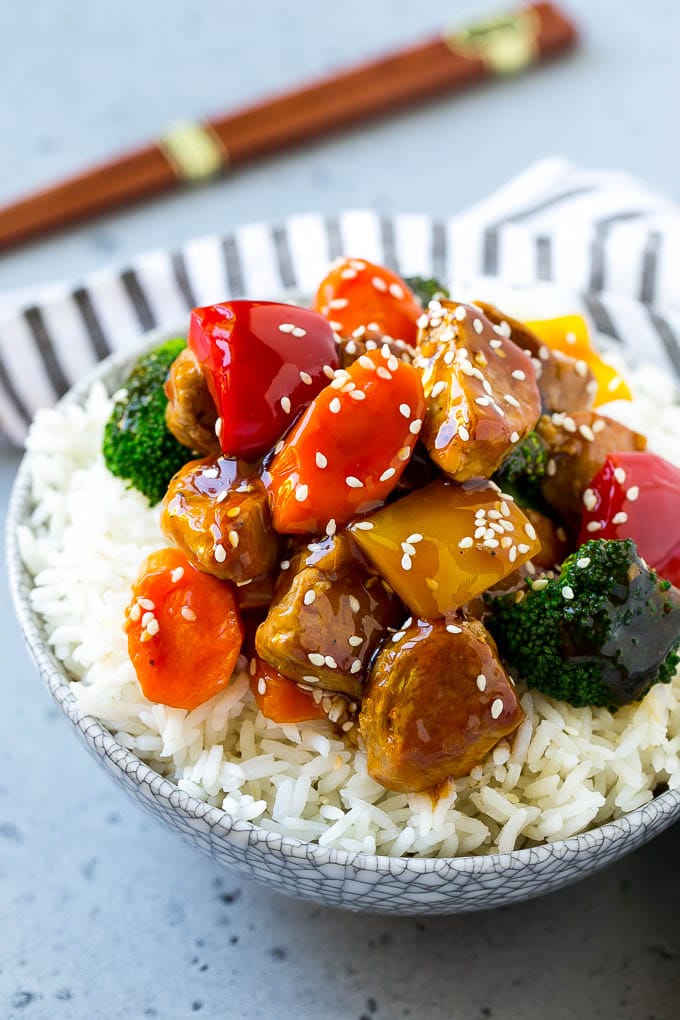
x=356 y=881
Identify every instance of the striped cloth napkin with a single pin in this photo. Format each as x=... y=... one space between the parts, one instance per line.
x=600 y=234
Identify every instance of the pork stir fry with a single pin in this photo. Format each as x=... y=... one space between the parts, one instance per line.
x=384 y=485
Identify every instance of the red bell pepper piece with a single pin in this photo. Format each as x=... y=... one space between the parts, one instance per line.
x=637 y=495
x=263 y=362
x=348 y=450
x=359 y=295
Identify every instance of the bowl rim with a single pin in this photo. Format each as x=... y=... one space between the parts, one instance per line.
x=660 y=811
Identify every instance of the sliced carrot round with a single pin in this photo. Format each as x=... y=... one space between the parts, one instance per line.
x=279 y=698
x=184 y=631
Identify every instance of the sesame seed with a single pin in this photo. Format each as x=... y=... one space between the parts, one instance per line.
x=398 y=636
x=393 y=363
x=620 y=475
x=519 y=374
x=482 y=401
x=153 y=627
x=506 y=542
x=211 y=472
x=415 y=426
x=491 y=543
x=220 y=553
x=496 y=708
x=301 y=493
x=351 y=347
x=463 y=433
x=299 y=331
x=397 y=291
x=330 y=662
x=404 y=453
x=495 y=344
x=589 y=499
x=452 y=629
x=188 y=613
x=438 y=388
x=338 y=302
x=567 y=593
x=348 y=274
x=354 y=604
x=415 y=537
x=353 y=482
x=584 y=561
x=509 y=399
x=540 y=584
x=581 y=368
x=233 y=539
x=431 y=583
x=383 y=373
x=321 y=460
x=147 y=618
x=386 y=475
x=335 y=405
x=449 y=357
x=316 y=658
x=364 y=525
x=598 y=425
x=218 y=427
x=460 y=313
x=177 y=574
x=135 y=612
x=285 y=405
x=354 y=641
x=481 y=682
x=407 y=547
x=261 y=685
x=503 y=329
x=633 y=493
x=379 y=284
x=309 y=597
x=146 y=604
x=286 y=327
x=505 y=509
x=284 y=564
x=233 y=511
x=620 y=518
x=306 y=378
x=406 y=562
x=405 y=410
x=356 y=666
x=512 y=554
x=308 y=678
x=478 y=325
x=466 y=543
x=358 y=395
x=480 y=532
x=551 y=468
x=530 y=530
x=523 y=548
x=587 y=433
x=593 y=526
x=328 y=371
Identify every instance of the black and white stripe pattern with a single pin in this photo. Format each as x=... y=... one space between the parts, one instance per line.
x=600 y=234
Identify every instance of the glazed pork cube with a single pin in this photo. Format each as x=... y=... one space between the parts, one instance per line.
x=437 y=701
x=219 y=516
x=578 y=445
x=190 y=414
x=481 y=390
x=328 y=615
x=565 y=384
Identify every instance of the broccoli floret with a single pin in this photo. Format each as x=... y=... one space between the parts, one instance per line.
x=522 y=471
x=138 y=446
x=602 y=633
x=425 y=289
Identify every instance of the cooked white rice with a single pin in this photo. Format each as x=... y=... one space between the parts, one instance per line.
x=565 y=769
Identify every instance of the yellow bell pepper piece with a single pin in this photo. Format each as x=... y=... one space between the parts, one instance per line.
x=569 y=334
x=443 y=544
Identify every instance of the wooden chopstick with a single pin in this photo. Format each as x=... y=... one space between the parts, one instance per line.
x=197 y=151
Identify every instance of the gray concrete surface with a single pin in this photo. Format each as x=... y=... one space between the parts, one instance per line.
x=103 y=914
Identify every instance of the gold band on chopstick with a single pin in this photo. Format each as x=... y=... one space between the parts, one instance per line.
x=194 y=151
x=506 y=44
